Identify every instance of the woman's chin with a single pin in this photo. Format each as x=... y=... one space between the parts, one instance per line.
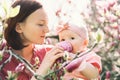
x=39 y=43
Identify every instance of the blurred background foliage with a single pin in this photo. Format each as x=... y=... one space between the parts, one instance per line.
x=101 y=16
x=105 y=15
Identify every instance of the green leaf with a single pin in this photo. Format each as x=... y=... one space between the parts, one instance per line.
x=6 y=5
x=9 y=11
x=11 y=75
x=14 y=11
x=99 y=36
x=1 y=55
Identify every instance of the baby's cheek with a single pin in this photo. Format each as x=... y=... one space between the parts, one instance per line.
x=78 y=48
x=75 y=50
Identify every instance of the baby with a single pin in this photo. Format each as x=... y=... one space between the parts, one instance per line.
x=86 y=67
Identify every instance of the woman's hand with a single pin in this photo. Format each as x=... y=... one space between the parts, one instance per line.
x=49 y=59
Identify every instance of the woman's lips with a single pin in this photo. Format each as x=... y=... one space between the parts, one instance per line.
x=42 y=36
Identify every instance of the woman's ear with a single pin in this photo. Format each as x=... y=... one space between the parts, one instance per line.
x=18 y=28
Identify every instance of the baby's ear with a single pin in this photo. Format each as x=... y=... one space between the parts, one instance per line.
x=85 y=43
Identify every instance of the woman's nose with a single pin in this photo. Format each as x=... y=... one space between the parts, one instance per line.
x=46 y=29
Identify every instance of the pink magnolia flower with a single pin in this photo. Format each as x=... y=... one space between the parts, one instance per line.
x=101 y=19
x=111 y=17
x=107 y=75
x=20 y=67
x=111 y=3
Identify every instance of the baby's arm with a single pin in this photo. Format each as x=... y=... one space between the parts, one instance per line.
x=89 y=66
x=88 y=70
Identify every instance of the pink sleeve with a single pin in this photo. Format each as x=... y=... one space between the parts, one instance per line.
x=95 y=60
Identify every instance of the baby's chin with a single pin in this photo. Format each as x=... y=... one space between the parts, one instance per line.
x=74 y=52
x=77 y=51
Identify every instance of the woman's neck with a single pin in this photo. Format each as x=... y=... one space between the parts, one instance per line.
x=26 y=52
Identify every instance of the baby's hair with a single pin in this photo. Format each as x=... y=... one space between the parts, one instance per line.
x=80 y=30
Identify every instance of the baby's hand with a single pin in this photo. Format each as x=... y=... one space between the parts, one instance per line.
x=73 y=64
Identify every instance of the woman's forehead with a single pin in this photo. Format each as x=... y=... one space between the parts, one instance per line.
x=38 y=15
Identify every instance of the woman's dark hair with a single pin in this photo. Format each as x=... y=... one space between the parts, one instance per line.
x=26 y=8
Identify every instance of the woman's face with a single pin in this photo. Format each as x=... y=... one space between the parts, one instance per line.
x=34 y=28
x=73 y=38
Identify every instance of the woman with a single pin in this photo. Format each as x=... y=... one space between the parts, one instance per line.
x=25 y=30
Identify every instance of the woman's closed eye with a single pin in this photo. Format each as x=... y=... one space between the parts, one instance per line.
x=41 y=24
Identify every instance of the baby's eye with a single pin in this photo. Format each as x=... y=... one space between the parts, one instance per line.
x=62 y=39
x=72 y=38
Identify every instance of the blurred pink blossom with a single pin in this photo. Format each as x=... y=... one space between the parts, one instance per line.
x=107 y=75
x=20 y=67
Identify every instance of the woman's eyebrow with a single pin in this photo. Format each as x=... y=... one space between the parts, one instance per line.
x=42 y=21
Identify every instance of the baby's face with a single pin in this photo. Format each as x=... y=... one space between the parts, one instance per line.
x=75 y=39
